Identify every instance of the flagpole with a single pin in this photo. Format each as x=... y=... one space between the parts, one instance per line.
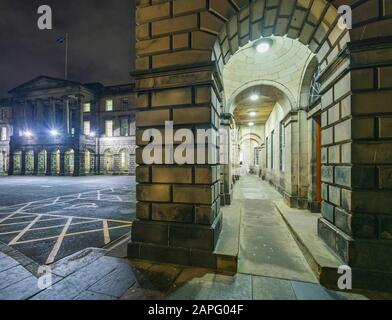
x=66 y=57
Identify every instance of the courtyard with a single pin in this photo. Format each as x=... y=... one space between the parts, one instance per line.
x=49 y=218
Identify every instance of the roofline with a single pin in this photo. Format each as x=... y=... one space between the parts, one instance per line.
x=39 y=77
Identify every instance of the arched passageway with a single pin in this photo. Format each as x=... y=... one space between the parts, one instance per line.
x=17 y=162
x=108 y=162
x=56 y=162
x=69 y=162
x=124 y=161
x=4 y=162
x=42 y=162
x=182 y=54
x=89 y=162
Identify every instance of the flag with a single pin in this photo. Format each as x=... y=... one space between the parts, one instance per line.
x=60 y=40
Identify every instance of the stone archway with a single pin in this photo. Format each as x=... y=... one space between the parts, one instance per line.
x=89 y=162
x=69 y=162
x=124 y=161
x=42 y=162
x=108 y=162
x=17 y=162
x=182 y=48
x=4 y=162
x=29 y=160
x=56 y=162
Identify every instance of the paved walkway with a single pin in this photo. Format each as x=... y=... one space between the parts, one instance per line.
x=267 y=247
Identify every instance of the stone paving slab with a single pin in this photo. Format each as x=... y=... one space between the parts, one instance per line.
x=13 y=275
x=77 y=261
x=267 y=247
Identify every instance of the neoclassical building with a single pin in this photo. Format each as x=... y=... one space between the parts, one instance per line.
x=65 y=128
x=306 y=101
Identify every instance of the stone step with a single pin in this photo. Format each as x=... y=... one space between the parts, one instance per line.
x=227 y=248
x=322 y=260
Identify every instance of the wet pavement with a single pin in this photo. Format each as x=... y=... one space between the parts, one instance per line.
x=60 y=222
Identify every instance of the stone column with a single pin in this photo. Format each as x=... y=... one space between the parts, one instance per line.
x=23 y=163
x=79 y=163
x=62 y=163
x=36 y=162
x=226 y=159
x=357 y=148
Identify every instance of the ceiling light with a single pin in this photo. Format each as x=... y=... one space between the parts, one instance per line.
x=263 y=45
x=251 y=124
x=254 y=97
x=253 y=113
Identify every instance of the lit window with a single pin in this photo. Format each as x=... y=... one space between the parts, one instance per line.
x=109 y=128
x=87 y=107
x=109 y=105
x=124 y=127
x=86 y=127
x=3 y=133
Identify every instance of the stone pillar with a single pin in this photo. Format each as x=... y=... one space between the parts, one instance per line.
x=226 y=159
x=36 y=162
x=79 y=159
x=23 y=162
x=357 y=148
x=62 y=163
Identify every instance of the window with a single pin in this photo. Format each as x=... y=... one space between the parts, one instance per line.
x=125 y=103
x=266 y=153
x=315 y=86
x=256 y=156
x=282 y=144
x=272 y=149
x=86 y=127
x=3 y=133
x=124 y=127
x=86 y=107
x=109 y=128
x=109 y=105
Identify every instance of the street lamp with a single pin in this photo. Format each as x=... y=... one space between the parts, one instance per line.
x=92 y=134
x=54 y=132
x=28 y=134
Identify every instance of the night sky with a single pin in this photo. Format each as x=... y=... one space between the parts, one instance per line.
x=100 y=46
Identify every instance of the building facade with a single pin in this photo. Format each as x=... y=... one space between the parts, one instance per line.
x=64 y=128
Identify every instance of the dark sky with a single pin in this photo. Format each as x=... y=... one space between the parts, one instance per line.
x=100 y=47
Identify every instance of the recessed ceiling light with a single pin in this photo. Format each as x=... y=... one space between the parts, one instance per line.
x=254 y=97
x=263 y=45
x=251 y=124
x=253 y=113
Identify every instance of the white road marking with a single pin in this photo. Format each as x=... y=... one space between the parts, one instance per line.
x=7 y=217
x=106 y=234
x=59 y=241
x=20 y=235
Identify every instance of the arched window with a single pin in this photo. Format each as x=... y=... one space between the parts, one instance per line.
x=315 y=86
